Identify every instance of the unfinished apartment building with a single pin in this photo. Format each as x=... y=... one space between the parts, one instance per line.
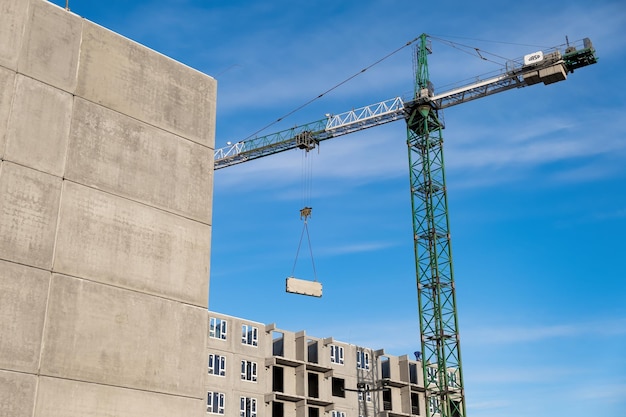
x=258 y=370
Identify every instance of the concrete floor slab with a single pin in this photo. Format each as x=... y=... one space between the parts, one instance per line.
x=108 y=335
x=23 y=300
x=39 y=140
x=29 y=206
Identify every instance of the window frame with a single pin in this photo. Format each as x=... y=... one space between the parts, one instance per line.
x=217 y=362
x=336 y=354
x=244 y=410
x=249 y=335
x=221 y=402
x=249 y=371
x=218 y=328
x=362 y=359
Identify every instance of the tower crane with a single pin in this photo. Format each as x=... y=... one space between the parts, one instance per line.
x=440 y=354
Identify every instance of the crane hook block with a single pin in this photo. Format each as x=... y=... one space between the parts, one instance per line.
x=305 y=213
x=303 y=287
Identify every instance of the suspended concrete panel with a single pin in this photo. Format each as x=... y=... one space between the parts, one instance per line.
x=121 y=155
x=17 y=393
x=29 y=205
x=116 y=241
x=303 y=287
x=23 y=298
x=134 y=80
x=13 y=15
x=51 y=45
x=107 y=335
x=39 y=140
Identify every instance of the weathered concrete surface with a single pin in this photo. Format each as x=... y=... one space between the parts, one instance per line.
x=134 y=80
x=23 y=299
x=124 y=156
x=13 y=14
x=63 y=398
x=105 y=211
x=51 y=45
x=7 y=84
x=116 y=241
x=17 y=394
x=39 y=140
x=29 y=206
x=102 y=334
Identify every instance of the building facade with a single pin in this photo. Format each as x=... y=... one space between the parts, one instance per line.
x=259 y=370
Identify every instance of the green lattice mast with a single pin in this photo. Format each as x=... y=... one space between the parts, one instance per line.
x=441 y=356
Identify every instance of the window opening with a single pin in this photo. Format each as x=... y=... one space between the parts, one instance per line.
x=215 y=402
x=362 y=359
x=452 y=379
x=249 y=335
x=248 y=371
x=365 y=393
x=434 y=405
x=217 y=365
x=338 y=387
x=217 y=328
x=336 y=354
x=431 y=373
x=247 y=407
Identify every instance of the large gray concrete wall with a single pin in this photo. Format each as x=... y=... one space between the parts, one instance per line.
x=106 y=176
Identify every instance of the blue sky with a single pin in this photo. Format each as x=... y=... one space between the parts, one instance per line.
x=536 y=180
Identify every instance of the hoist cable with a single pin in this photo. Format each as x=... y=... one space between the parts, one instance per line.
x=305 y=229
x=332 y=88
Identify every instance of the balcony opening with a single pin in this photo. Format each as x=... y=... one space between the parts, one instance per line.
x=413 y=372
x=387 y=399
x=314 y=412
x=312 y=351
x=278 y=344
x=278 y=379
x=313 y=385
x=415 y=403
x=385 y=367
x=278 y=409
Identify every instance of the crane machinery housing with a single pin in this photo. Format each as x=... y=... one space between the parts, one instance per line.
x=439 y=334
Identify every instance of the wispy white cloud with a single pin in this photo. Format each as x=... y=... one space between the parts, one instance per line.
x=507 y=335
x=360 y=247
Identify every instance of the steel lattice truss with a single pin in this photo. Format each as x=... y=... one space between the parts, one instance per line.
x=435 y=283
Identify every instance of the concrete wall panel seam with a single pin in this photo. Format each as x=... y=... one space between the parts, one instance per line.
x=142 y=203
